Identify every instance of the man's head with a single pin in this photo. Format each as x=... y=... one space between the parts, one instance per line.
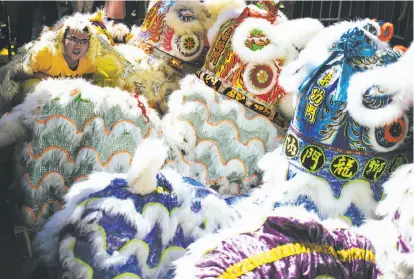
x=75 y=43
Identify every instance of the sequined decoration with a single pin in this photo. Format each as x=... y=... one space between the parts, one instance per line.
x=80 y=142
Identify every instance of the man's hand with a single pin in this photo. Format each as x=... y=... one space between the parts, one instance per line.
x=20 y=74
x=41 y=75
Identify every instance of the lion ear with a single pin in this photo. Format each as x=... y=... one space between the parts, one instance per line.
x=387 y=31
x=382 y=95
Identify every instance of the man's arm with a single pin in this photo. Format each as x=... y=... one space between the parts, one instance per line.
x=20 y=74
x=38 y=65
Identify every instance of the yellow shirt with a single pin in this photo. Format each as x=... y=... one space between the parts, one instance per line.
x=56 y=66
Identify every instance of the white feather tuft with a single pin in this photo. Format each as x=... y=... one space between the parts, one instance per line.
x=395 y=80
x=148 y=160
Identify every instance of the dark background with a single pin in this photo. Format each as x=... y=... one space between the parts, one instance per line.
x=26 y=18
x=399 y=13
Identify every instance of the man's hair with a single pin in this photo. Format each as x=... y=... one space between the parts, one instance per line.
x=84 y=30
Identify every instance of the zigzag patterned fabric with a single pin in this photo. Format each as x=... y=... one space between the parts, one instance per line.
x=80 y=129
x=224 y=139
x=284 y=247
x=113 y=233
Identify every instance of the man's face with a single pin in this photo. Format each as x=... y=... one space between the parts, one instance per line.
x=76 y=44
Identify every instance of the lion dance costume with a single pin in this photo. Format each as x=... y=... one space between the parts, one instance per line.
x=332 y=161
x=230 y=113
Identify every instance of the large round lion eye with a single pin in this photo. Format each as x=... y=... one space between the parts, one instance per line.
x=395 y=131
x=260 y=78
x=187 y=47
x=391 y=136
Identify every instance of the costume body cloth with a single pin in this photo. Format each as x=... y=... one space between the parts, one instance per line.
x=291 y=242
x=285 y=247
x=113 y=233
x=106 y=231
x=76 y=128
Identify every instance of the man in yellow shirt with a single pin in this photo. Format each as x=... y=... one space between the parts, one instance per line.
x=71 y=62
x=66 y=50
x=73 y=47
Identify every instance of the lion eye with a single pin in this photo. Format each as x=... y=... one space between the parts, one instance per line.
x=391 y=136
x=260 y=78
x=188 y=46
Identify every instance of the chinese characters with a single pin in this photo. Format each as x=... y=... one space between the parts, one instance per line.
x=312 y=158
x=397 y=161
x=316 y=97
x=291 y=146
x=374 y=169
x=344 y=167
x=325 y=80
x=220 y=45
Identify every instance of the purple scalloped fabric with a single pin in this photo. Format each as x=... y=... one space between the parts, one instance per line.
x=279 y=231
